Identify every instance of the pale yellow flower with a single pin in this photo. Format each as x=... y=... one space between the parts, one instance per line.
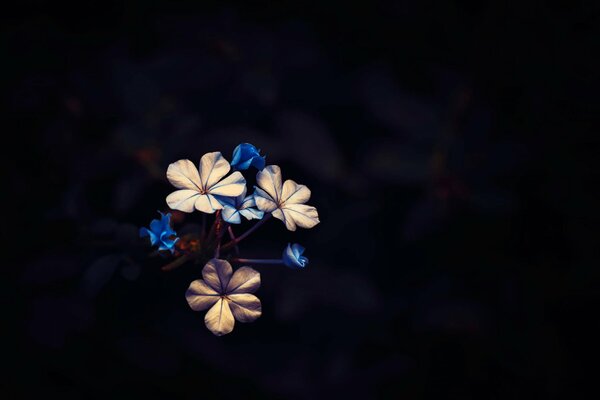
x=199 y=188
x=284 y=200
x=227 y=294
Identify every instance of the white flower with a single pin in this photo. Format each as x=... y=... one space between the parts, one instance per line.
x=285 y=201
x=198 y=188
x=228 y=297
x=234 y=207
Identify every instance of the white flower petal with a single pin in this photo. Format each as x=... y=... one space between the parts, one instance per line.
x=200 y=296
x=245 y=307
x=216 y=274
x=247 y=202
x=231 y=186
x=304 y=216
x=231 y=215
x=244 y=280
x=287 y=219
x=248 y=209
x=183 y=200
x=183 y=175
x=264 y=201
x=219 y=319
x=212 y=168
x=242 y=197
x=207 y=203
x=294 y=193
x=269 y=180
x=252 y=213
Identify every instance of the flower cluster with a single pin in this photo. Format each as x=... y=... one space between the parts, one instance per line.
x=211 y=189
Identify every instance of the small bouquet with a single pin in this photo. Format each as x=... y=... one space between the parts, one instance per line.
x=228 y=294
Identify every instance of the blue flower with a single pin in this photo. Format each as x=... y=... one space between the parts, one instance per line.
x=246 y=155
x=161 y=233
x=235 y=207
x=292 y=256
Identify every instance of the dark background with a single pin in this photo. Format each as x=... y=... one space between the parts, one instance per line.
x=448 y=150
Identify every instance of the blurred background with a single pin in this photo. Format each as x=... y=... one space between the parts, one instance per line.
x=447 y=149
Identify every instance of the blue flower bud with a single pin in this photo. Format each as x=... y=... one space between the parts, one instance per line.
x=161 y=233
x=292 y=256
x=246 y=155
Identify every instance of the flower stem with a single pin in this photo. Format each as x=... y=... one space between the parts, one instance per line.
x=247 y=233
x=218 y=233
x=232 y=237
x=213 y=228
x=256 y=261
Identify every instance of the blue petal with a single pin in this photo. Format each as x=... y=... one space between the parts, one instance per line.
x=245 y=164
x=246 y=155
x=291 y=256
x=144 y=232
x=303 y=261
x=231 y=215
x=237 y=155
x=162 y=247
x=167 y=244
x=156 y=226
x=297 y=250
x=160 y=232
x=165 y=219
x=226 y=201
x=258 y=162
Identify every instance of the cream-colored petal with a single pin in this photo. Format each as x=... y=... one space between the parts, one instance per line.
x=252 y=213
x=245 y=307
x=219 y=319
x=304 y=216
x=247 y=202
x=231 y=186
x=212 y=168
x=183 y=200
x=200 y=296
x=216 y=274
x=269 y=180
x=242 y=196
x=207 y=204
x=264 y=201
x=183 y=175
x=244 y=280
x=294 y=193
x=286 y=218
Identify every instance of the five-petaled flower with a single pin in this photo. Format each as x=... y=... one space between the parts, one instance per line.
x=293 y=258
x=161 y=233
x=246 y=155
x=227 y=294
x=285 y=201
x=199 y=187
x=234 y=207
